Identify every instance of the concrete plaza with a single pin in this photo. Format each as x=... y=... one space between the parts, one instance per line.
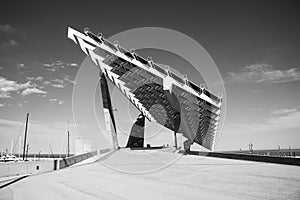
x=129 y=174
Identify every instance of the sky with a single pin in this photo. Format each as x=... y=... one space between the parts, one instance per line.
x=255 y=45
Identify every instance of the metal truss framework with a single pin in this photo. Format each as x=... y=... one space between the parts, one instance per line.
x=187 y=108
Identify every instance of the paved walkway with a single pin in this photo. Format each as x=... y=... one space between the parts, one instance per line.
x=161 y=175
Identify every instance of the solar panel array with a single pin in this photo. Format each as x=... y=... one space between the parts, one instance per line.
x=161 y=95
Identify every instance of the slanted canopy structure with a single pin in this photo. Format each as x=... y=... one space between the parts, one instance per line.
x=158 y=93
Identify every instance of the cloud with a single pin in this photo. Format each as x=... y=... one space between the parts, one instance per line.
x=10 y=30
x=284 y=111
x=47 y=82
x=57 y=65
x=21 y=65
x=30 y=78
x=264 y=73
x=2 y=105
x=54 y=66
x=1 y=68
x=58 y=81
x=9 y=43
x=9 y=38
x=38 y=78
x=62 y=83
x=51 y=69
x=29 y=91
x=36 y=82
x=4 y=95
x=58 y=85
x=53 y=100
x=8 y=86
x=72 y=64
x=69 y=80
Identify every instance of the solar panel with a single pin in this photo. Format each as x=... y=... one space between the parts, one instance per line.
x=158 y=68
x=112 y=46
x=144 y=87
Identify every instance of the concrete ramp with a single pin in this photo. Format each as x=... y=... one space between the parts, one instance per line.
x=188 y=177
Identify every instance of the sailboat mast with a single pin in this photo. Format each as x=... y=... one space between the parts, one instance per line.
x=27 y=148
x=20 y=146
x=68 y=142
x=25 y=138
x=12 y=147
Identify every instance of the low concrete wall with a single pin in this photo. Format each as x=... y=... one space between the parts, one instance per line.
x=26 y=167
x=30 y=167
x=257 y=158
x=66 y=162
x=102 y=151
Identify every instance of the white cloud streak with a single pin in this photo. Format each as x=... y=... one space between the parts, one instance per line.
x=29 y=91
x=72 y=64
x=54 y=66
x=284 y=111
x=38 y=78
x=60 y=81
x=68 y=79
x=54 y=100
x=55 y=85
x=57 y=65
x=21 y=65
x=47 y=82
x=264 y=73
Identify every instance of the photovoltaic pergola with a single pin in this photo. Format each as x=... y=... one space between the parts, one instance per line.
x=158 y=93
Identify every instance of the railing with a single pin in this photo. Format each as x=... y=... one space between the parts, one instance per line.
x=249 y=157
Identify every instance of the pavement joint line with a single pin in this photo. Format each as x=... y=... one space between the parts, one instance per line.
x=11 y=182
